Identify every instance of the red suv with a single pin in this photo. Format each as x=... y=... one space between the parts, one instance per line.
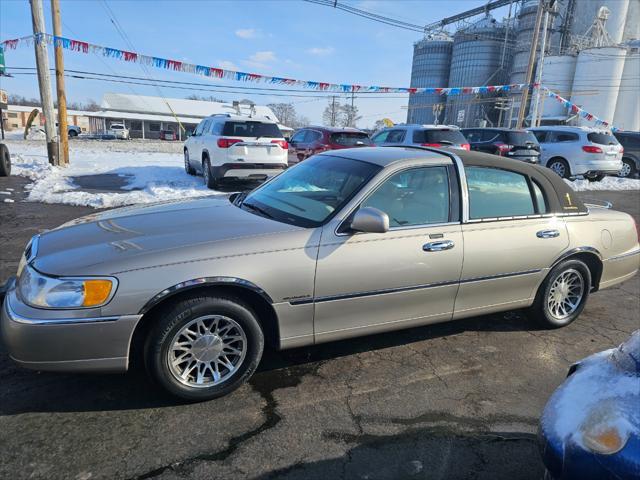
x=311 y=140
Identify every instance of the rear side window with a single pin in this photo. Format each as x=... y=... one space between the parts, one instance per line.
x=631 y=141
x=472 y=135
x=497 y=193
x=445 y=137
x=541 y=135
x=395 y=136
x=350 y=139
x=565 y=137
x=602 y=138
x=251 y=129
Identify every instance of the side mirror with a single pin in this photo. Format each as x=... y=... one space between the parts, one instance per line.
x=370 y=220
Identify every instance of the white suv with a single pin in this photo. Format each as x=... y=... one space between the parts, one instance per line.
x=573 y=151
x=425 y=135
x=235 y=147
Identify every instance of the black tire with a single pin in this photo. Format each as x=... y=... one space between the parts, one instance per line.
x=5 y=161
x=596 y=178
x=174 y=318
x=629 y=169
x=542 y=312
x=209 y=180
x=560 y=166
x=187 y=166
x=72 y=133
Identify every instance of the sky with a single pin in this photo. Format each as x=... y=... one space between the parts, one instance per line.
x=286 y=38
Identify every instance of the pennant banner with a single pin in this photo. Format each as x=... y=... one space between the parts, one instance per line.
x=576 y=110
x=206 y=71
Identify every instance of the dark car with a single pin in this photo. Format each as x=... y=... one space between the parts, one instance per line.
x=311 y=140
x=517 y=144
x=630 y=141
x=590 y=428
x=168 y=135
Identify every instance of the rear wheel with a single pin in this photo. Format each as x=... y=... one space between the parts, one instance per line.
x=5 y=161
x=560 y=166
x=596 y=178
x=204 y=347
x=563 y=295
x=209 y=180
x=628 y=169
x=187 y=165
x=73 y=133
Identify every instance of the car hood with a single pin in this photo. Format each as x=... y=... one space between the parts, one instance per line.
x=150 y=235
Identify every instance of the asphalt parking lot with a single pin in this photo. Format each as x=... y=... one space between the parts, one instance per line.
x=450 y=401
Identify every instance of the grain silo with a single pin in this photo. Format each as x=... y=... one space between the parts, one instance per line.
x=586 y=11
x=596 y=82
x=431 y=61
x=480 y=56
x=627 y=114
x=557 y=75
x=523 y=40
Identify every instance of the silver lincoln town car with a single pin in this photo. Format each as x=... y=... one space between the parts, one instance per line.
x=344 y=244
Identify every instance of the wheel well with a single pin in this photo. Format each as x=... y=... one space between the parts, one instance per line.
x=264 y=311
x=205 y=155
x=557 y=158
x=595 y=267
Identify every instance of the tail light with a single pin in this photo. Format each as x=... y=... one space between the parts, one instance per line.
x=503 y=148
x=283 y=143
x=591 y=149
x=466 y=146
x=227 y=142
x=431 y=144
x=324 y=148
x=621 y=149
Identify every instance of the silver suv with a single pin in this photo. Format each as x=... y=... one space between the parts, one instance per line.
x=573 y=151
x=421 y=135
x=226 y=146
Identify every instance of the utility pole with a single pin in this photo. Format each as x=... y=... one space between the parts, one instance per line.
x=334 y=114
x=60 y=90
x=536 y=100
x=532 y=61
x=44 y=80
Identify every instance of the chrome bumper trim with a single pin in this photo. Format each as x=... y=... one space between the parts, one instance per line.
x=13 y=316
x=624 y=255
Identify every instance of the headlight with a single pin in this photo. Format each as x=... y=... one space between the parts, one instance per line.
x=41 y=291
x=605 y=432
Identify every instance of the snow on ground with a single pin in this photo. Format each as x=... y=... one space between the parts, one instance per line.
x=607 y=183
x=155 y=171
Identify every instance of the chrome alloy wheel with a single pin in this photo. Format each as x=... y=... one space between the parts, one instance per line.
x=625 y=171
x=565 y=294
x=207 y=351
x=559 y=168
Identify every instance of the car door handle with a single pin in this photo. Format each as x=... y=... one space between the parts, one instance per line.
x=438 y=246
x=548 y=234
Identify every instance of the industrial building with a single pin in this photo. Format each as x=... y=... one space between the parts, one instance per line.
x=591 y=57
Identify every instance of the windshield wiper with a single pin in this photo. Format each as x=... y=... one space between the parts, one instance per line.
x=255 y=208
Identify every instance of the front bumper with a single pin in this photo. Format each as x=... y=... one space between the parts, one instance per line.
x=55 y=343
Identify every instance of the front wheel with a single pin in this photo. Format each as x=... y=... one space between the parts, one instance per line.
x=5 y=161
x=209 y=180
x=204 y=347
x=560 y=166
x=628 y=169
x=596 y=178
x=187 y=164
x=563 y=294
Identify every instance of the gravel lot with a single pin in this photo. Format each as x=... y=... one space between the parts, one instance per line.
x=451 y=401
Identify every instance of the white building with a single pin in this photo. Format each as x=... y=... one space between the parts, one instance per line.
x=146 y=116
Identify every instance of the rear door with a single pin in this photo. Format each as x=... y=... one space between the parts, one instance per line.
x=508 y=244
x=196 y=144
x=297 y=141
x=252 y=141
x=544 y=140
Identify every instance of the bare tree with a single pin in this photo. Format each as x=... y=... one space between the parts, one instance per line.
x=285 y=112
x=349 y=115
x=300 y=121
x=331 y=114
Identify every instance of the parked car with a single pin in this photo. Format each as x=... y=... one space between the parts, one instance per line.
x=5 y=161
x=422 y=135
x=517 y=144
x=231 y=147
x=344 y=244
x=630 y=141
x=168 y=135
x=72 y=130
x=573 y=151
x=311 y=140
x=119 y=131
x=590 y=428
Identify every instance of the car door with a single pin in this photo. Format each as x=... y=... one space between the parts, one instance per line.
x=195 y=146
x=370 y=282
x=544 y=139
x=296 y=140
x=508 y=242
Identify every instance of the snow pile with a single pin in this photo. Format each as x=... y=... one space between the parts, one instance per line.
x=151 y=176
x=607 y=183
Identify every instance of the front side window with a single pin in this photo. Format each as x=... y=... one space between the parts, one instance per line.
x=298 y=137
x=381 y=137
x=472 y=135
x=395 y=136
x=419 y=196
x=497 y=193
x=310 y=193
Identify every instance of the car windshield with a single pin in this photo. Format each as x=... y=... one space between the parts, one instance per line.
x=251 y=129
x=310 y=193
x=521 y=138
x=350 y=139
x=117 y=127
x=451 y=137
x=602 y=138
